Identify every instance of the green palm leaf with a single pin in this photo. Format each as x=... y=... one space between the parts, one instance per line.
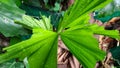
x=101 y=31
x=41 y=49
x=78 y=11
x=41 y=46
x=31 y=23
x=83 y=46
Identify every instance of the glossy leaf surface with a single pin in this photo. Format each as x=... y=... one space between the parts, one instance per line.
x=9 y=13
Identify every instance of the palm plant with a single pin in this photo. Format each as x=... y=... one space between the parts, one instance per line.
x=41 y=49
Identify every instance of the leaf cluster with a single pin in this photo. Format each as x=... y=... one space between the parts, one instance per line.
x=74 y=30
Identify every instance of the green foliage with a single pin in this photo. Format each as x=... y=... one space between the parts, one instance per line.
x=41 y=46
x=108 y=12
x=76 y=12
x=35 y=12
x=82 y=45
x=31 y=23
x=9 y=13
x=57 y=7
x=42 y=41
x=41 y=49
x=52 y=5
x=116 y=54
x=100 y=30
x=26 y=63
x=12 y=64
